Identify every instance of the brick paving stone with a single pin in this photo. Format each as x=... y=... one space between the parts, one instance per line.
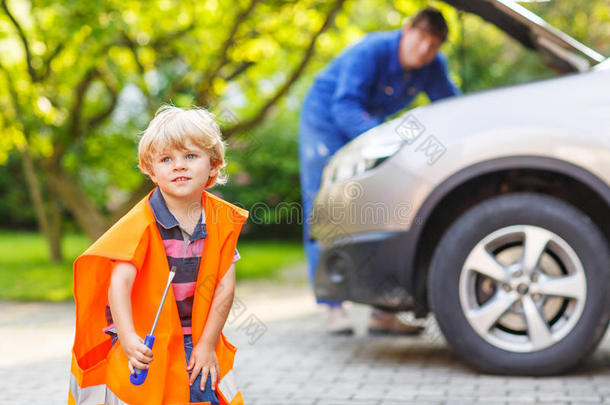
x=419 y=402
x=523 y=394
x=586 y=402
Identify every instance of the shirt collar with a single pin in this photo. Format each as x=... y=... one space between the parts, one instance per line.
x=167 y=220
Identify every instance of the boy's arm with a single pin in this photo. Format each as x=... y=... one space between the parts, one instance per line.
x=219 y=310
x=119 y=300
x=203 y=360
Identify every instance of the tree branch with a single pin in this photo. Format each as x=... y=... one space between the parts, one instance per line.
x=172 y=36
x=75 y=128
x=180 y=84
x=29 y=169
x=206 y=82
x=136 y=195
x=88 y=216
x=131 y=45
x=49 y=59
x=26 y=46
x=260 y=115
x=157 y=44
x=239 y=70
x=96 y=120
x=133 y=48
x=14 y=98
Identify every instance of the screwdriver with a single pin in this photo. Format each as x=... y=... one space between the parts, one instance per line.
x=139 y=376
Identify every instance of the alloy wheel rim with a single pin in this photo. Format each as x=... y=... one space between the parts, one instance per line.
x=522 y=288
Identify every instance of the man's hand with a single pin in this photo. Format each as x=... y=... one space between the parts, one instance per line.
x=137 y=352
x=203 y=360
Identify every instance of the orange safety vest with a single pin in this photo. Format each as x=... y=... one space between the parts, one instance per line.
x=99 y=371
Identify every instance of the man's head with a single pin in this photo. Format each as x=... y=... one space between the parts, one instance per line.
x=422 y=38
x=183 y=141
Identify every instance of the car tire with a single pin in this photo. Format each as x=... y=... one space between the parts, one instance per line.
x=468 y=294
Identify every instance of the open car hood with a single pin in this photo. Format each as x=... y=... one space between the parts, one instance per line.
x=560 y=51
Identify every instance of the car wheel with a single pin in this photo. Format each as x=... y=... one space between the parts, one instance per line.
x=519 y=285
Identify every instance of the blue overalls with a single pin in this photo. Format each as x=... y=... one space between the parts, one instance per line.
x=354 y=93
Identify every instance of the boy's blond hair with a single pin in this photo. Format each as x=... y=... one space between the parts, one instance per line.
x=172 y=127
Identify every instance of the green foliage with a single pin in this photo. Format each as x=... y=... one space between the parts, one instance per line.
x=586 y=21
x=108 y=164
x=143 y=54
x=15 y=208
x=27 y=274
x=264 y=177
x=264 y=259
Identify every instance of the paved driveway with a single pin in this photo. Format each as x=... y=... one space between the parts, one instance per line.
x=295 y=363
x=284 y=358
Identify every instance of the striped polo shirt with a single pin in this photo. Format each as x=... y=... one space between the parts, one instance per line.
x=183 y=251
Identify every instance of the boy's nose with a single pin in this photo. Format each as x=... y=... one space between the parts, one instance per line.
x=179 y=164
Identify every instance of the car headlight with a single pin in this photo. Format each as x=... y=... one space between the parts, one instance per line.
x=364 y=153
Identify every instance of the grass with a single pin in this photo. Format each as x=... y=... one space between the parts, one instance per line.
x=264 y=259
x=27 y=274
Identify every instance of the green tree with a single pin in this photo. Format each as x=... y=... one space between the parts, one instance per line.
x=80 y=80
x=68 y=64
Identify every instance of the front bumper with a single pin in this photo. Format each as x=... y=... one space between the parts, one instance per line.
x=367 y=268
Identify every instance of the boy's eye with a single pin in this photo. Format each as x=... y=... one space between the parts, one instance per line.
x=165 y=159
x=191 y=156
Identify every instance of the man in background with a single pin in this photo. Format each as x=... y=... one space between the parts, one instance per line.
x=366 y=83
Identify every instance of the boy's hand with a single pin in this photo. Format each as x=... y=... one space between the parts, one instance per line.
x=137 y=352
x=203 y=360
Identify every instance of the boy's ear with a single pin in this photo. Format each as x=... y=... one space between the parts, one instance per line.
x=147 y=172
x=213 y=171
x=153 y=178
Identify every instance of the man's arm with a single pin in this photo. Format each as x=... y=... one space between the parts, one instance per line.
x=439 y=85
x=358 y=74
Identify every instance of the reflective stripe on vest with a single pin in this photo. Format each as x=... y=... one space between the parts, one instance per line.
x=101 y=395
x=112 y=399
x=95 y=395
x=228 y=387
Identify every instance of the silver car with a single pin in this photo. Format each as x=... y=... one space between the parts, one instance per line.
x=490 y=210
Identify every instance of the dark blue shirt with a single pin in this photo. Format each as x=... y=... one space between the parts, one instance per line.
x=366 y=83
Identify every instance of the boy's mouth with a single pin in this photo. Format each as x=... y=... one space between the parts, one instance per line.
x=181 y=179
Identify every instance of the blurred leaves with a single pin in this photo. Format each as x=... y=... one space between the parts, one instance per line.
x=87 y=77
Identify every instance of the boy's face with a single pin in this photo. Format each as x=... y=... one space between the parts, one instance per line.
x=182 y=173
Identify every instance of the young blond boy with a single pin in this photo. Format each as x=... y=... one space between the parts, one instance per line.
x=181 y=226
